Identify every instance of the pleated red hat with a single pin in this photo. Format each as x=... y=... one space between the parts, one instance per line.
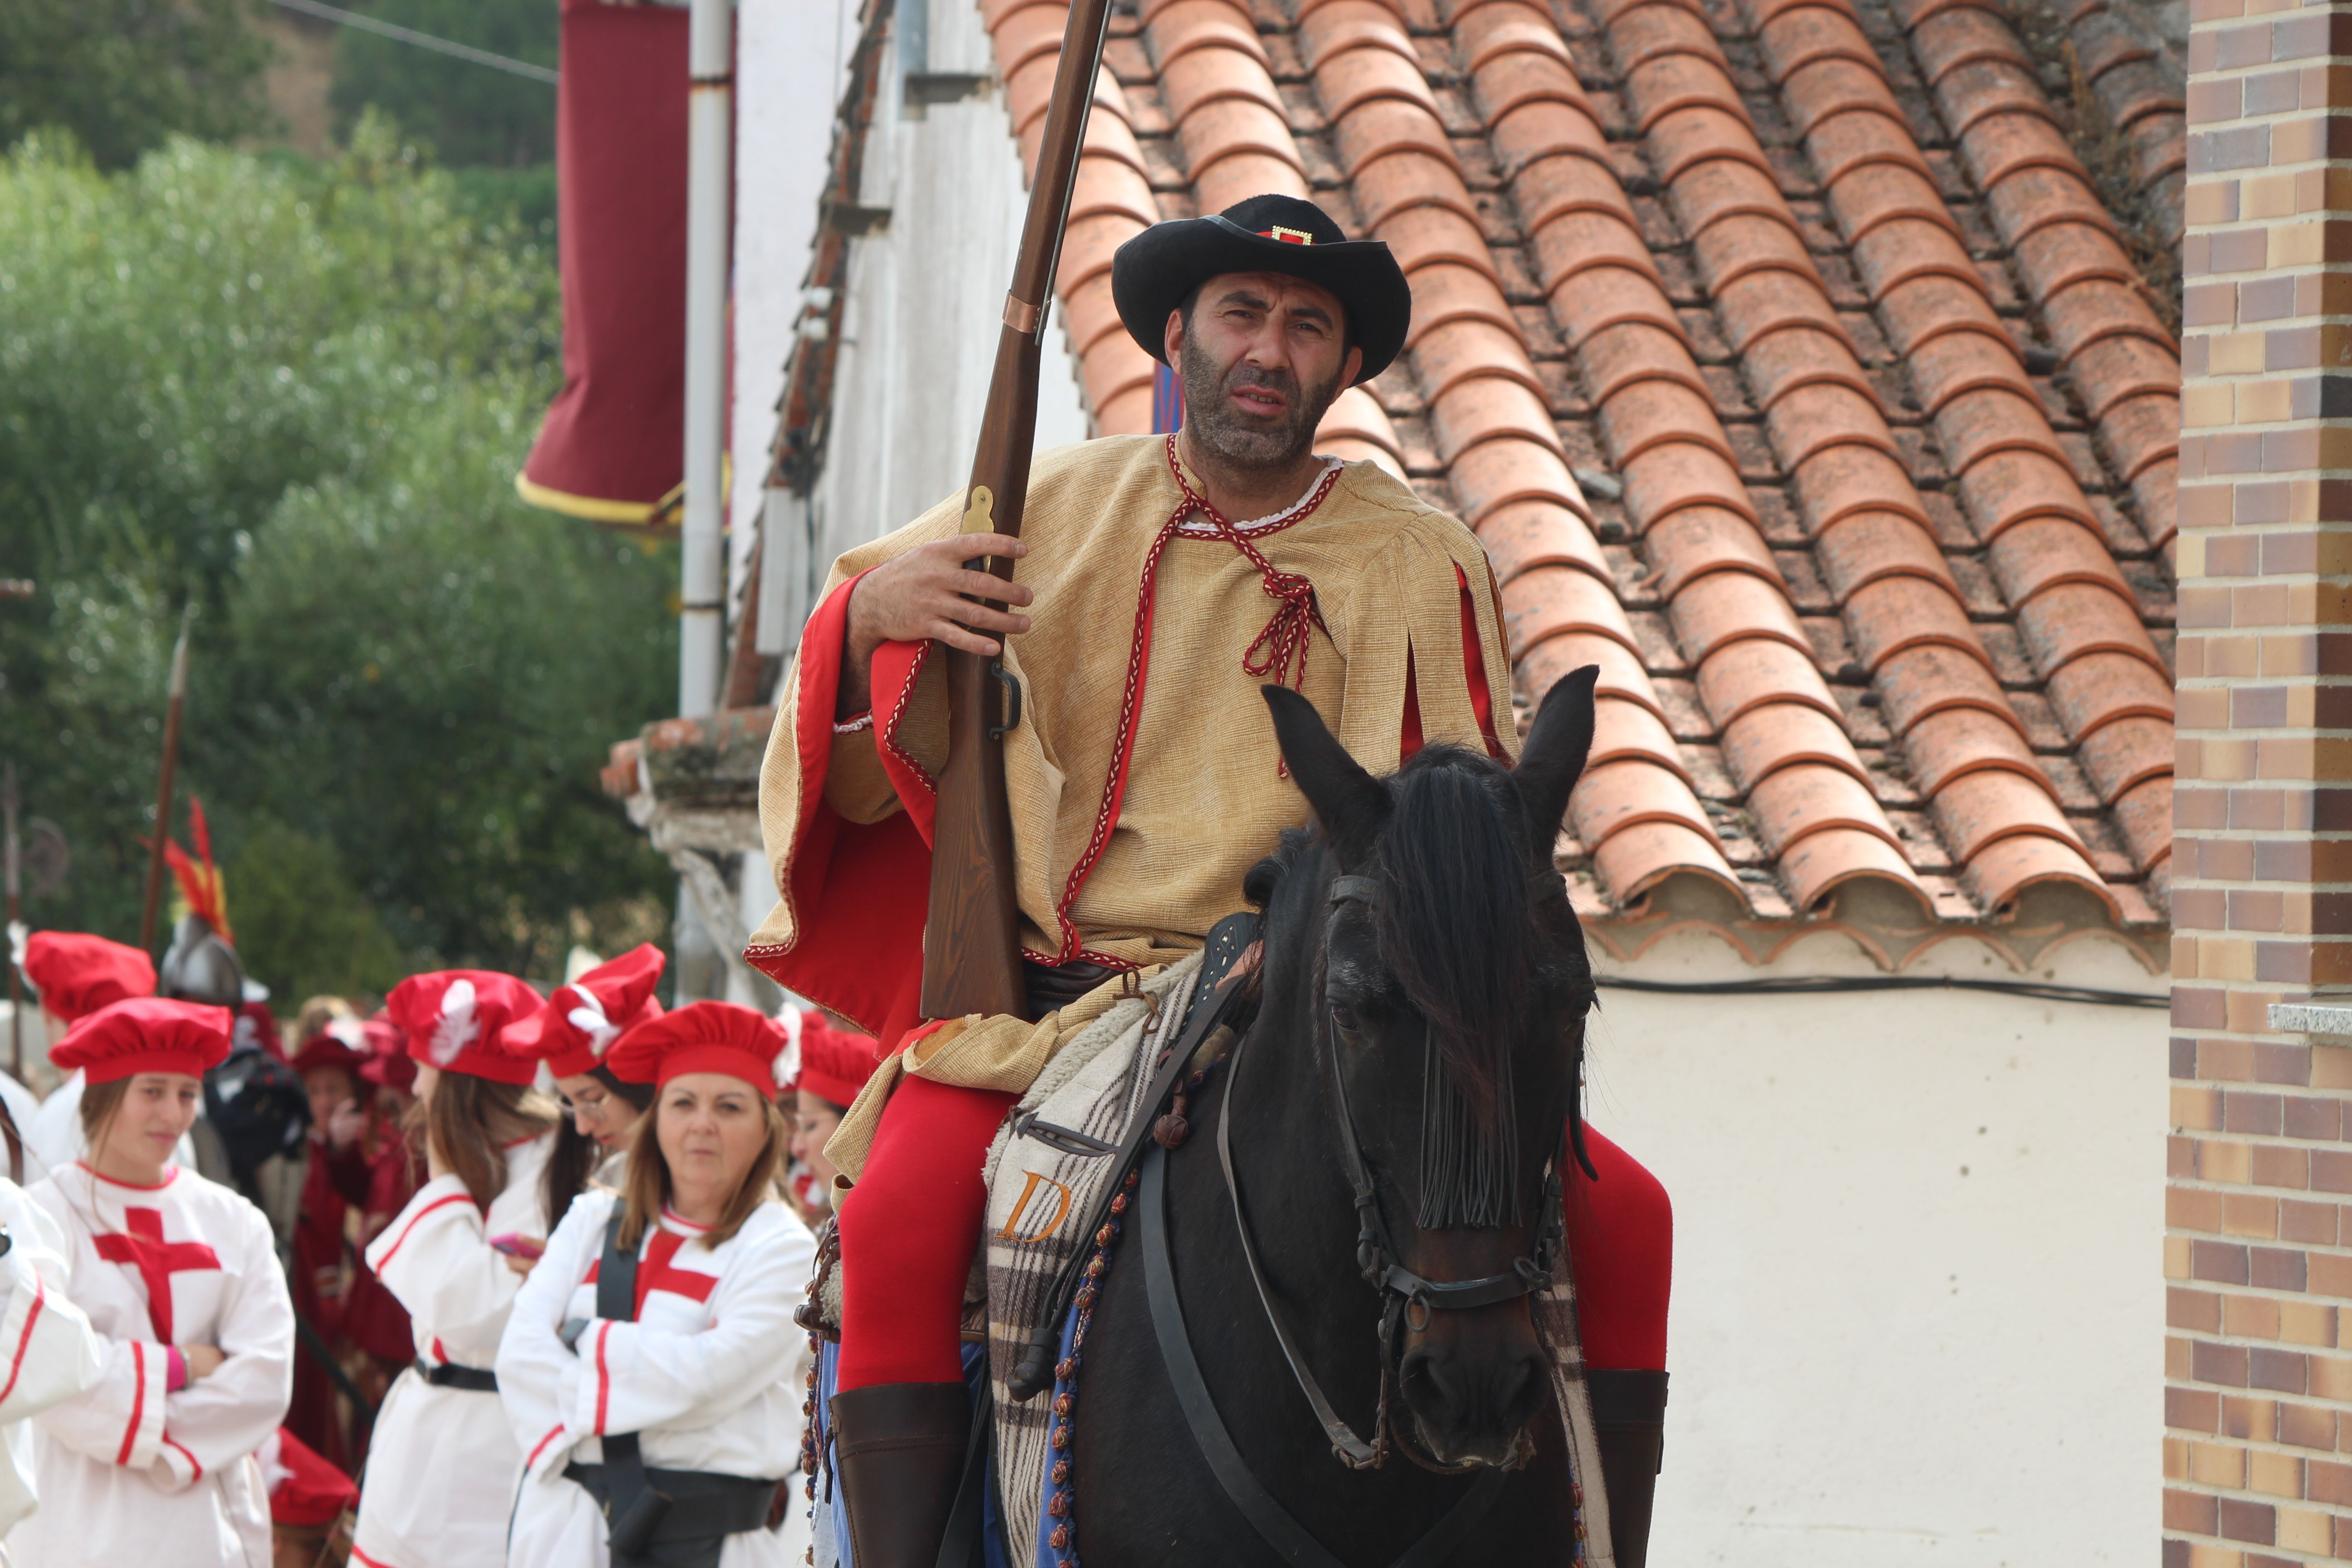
x=454 y=1020
x=572 y=1032
x=834 y=1063
x=145 y=1034
x=343 y=1043
x=78 y=974
x=706 y=1036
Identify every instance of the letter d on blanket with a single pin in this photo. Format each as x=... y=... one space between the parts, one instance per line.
x=1012 y=1231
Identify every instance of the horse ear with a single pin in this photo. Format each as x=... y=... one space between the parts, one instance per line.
x=1553 y=758
x=1350 y=802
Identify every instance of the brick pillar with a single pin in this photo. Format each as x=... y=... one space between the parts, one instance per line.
x=2258 y=1394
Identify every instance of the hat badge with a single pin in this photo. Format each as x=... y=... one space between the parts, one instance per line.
x=587 y=1015
x=1288 y=236
x=458 y=1028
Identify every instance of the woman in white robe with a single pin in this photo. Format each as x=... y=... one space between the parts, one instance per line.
x=48 y=1352
x=441 y=1463
x=569 y=1036
x=153 y=1466
x=700 y=1369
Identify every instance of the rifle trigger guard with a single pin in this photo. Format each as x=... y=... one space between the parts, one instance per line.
x=1012 y=700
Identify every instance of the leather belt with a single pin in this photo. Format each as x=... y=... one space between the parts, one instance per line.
x=704 y=1509
x=449 y=1374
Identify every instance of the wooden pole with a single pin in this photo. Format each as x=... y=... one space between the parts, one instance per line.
x=175 y=694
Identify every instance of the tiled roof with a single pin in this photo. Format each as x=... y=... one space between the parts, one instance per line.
x=1787 y=362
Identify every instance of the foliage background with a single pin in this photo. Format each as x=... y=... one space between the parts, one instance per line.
x=295 y=394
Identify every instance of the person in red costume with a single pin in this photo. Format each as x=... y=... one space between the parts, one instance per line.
x=328 y=1060
x=1159 y=583
x=834 y=1066
x=375 y=1325
x=311 y=1501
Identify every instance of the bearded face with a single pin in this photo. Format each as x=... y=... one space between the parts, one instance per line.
x=1263 y=358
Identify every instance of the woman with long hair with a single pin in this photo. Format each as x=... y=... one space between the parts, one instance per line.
x=152 y=1464
x=652 y=1352
x=570 y=1035
x=441 y=1463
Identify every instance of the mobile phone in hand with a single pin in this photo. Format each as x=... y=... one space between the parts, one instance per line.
x=516 y=1245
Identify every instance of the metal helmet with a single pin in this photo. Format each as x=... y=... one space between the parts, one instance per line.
x=200 y=967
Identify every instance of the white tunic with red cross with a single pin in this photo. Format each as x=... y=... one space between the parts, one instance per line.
x=130 y=1472
x=708 y=1374
x=441 y=1465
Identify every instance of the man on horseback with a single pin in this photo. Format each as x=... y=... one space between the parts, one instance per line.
x=1161 y=583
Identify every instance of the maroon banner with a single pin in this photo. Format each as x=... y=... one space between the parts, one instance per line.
x=611 y=446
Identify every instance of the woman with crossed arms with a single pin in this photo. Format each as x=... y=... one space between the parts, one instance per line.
x=682 y=1384
x=151 y=1465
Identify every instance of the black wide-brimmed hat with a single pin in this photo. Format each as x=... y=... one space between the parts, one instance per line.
x=1151 y=274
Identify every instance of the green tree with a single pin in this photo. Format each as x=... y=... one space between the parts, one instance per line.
x=301 y=922
x=298 y=396
x=468 y=113
x=123 y=75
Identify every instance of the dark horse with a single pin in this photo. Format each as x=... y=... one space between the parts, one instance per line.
x=1420 y=937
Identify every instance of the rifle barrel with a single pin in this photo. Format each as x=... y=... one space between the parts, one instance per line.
x=972 y=950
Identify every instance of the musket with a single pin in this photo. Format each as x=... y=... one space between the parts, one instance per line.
x=14 y=870
x=177 y=692
x=972 y=948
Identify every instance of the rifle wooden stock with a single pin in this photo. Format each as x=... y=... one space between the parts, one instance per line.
x=972 y=950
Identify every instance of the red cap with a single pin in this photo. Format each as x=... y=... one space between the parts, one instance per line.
x=580 y=1021
x=834 y=1063
x=387 y=1063
x=145 y=1034
x=708 y=1036
x=454 y=1019
x=304 y=1489
x=78 y=974
x=343 y=1043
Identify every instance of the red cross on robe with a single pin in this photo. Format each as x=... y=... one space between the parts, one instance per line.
x=655 y=1273
x=156 y=1260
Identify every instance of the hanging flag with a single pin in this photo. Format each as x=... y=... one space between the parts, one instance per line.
x=611 y=447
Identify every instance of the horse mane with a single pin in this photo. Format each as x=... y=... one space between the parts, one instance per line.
x=1454 y=926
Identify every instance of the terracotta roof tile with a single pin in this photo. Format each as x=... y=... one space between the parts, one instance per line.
x=1548 y=601
x=1781 y=734
x=1618 y=794
x=1653 y=412
x=1759 y=672
x=1637 y=859
x=1689 y=543
x=1844 y=481
x=1865 y=547
x=2046 y=551
x=1956 y=741
x=1804 y=798
x=1526 y=534
x=1616 y=357
x=1623 y=730
x=2005 y=869
x=1892 y=614
x=1820 y=282
x=1679 y=474
x=1817 y=865
x=2126 y=753
x=1720 y=608
x=2065 y=623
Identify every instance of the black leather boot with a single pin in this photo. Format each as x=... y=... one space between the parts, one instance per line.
x=1629 y=1414
x=900 y=1450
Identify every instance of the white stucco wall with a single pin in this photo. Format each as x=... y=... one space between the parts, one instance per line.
x=788 y=56
x=925 y=297
x=1918 y=1306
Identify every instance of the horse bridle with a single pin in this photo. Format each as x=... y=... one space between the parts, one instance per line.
x=1378 y=1257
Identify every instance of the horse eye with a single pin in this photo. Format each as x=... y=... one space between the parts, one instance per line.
x=1344 y=1019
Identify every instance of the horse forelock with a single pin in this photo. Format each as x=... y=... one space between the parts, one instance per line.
x=1452 y=920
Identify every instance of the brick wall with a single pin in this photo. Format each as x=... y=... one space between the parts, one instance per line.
x=2258 y=1255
